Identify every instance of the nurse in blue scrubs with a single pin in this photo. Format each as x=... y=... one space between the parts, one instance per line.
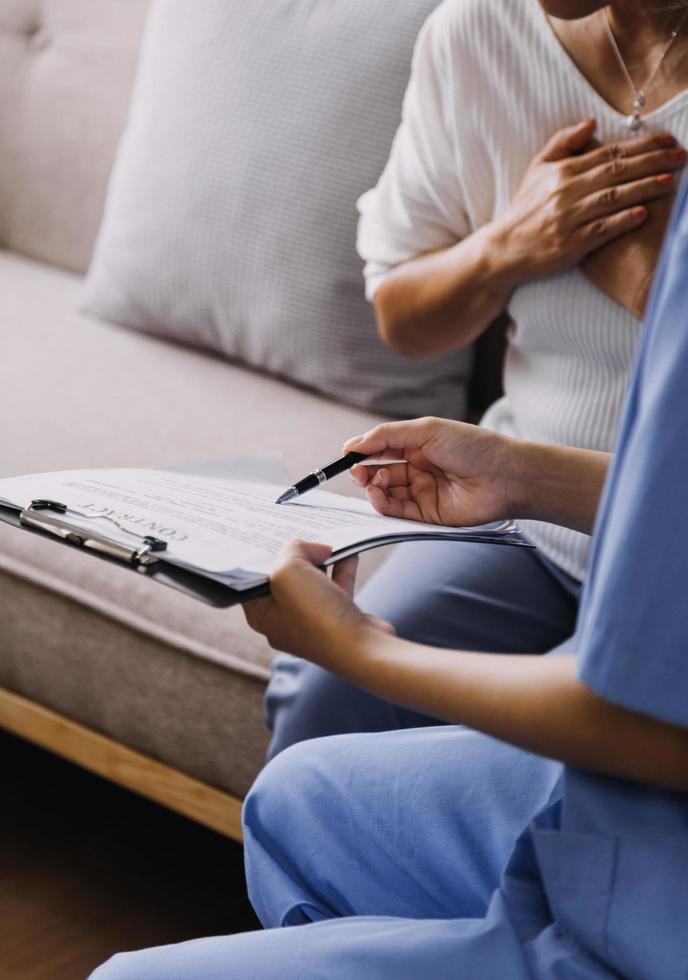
x=359 y=858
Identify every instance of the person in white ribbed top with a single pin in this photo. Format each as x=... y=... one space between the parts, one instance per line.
x=514 y=209
x=533 y=172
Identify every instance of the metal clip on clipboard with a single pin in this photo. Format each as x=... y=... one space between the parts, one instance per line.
x=140 y=554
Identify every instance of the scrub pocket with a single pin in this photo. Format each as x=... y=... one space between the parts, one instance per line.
x=578 y=873
x=647 y=929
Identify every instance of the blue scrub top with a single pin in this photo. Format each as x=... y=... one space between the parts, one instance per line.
x=613 y=855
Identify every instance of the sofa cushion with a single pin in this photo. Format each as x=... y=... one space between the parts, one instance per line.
x=156 y=670
x=66 y=71
x=230 y=220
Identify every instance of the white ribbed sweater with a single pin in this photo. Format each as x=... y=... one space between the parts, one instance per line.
x=490 y=84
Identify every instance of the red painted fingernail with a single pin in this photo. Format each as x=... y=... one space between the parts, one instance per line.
x=680 y=156
x=666 y=180
x=639 y=212
x=666 y=140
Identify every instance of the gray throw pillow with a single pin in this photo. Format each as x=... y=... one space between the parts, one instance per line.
x=230 y=219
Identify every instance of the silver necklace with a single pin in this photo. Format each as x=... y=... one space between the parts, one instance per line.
x=634 y=121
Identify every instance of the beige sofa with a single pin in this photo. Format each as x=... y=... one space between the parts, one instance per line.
x=132 y=680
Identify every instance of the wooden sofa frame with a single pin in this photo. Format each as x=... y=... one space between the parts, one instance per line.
x=208 y=806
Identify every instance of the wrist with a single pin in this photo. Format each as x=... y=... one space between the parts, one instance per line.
x=558 y=484
x=524 y=471
x=369 y=652
x=504 y=265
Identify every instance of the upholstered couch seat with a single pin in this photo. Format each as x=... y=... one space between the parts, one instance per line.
x=140 y=663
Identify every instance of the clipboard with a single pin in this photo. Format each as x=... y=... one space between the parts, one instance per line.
x=145 y=557
x=146 y=554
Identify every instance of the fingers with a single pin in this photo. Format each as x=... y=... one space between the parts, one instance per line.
x=381 y=478
x=298 y=567
x=344 y=574
x=257 y=612
x=307 y=613
x=395 y=475
x=296 y=559
x=628 y=170
x=616 y=156
x=305 y=551
x=568 y=141
x=298 y=577
x=395 y=487
x=624 y=182
x=398 y=436
x=597 y=233
x=361 y=474
x=393 y=506
x=614 y=199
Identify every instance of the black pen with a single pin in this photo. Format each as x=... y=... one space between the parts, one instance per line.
x=317 y=477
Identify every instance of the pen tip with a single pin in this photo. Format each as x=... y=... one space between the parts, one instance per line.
x=287 y=495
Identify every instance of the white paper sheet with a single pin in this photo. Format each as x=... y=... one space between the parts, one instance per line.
x=218 y=517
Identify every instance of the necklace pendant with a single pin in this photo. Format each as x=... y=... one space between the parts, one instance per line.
x=634 y=122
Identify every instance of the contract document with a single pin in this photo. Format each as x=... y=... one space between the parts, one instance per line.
x=220 y=519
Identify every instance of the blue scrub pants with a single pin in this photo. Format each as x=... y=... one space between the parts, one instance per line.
x=378 y=855
x=468 y=596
